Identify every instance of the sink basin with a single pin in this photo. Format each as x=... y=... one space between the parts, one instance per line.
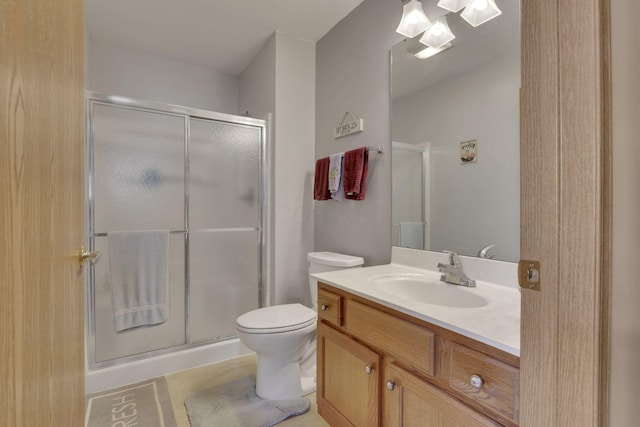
x=425 y=289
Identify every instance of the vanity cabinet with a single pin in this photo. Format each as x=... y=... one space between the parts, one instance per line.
x=381 y=367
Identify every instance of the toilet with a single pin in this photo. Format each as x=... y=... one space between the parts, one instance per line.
x=284 y=336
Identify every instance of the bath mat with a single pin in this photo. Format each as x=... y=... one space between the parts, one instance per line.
x=237 y=404
x=144 y=404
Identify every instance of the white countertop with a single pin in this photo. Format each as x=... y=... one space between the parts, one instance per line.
x=496 y=324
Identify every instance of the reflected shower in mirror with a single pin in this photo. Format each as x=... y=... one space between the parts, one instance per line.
x=456 y=145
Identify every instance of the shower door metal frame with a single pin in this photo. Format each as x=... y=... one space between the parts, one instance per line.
x=96 y=98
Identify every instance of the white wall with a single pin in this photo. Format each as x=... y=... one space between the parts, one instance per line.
x=625 y=322
x=117 y=70
x=257 y=98
x=353 y=74
x=257 y=84
x=281 y=80
x=476 y=204
x=294 y=162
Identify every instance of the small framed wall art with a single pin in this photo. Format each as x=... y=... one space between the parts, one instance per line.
x=469 y=151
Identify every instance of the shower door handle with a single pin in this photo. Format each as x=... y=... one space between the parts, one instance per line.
x=85 y=255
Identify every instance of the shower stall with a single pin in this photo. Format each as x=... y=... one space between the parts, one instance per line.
x=198 y=176
x=410 y=192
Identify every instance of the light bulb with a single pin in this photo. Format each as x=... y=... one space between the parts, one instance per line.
x=413 y=18
x=413 y=21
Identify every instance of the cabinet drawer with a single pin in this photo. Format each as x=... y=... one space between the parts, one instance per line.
x=330 y=307
x=498 y=390
x=400 y=338
x=412 y=402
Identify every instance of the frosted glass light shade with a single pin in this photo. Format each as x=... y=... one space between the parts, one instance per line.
x=438 y=34
x=413 y=21
x=453 y=5
x=480 y=11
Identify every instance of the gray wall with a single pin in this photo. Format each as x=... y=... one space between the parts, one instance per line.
x=280 y=80
x=117 y=70
x=352 y=73
x=625 y=322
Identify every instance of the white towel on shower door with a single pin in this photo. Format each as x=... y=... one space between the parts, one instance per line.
x=138 y=278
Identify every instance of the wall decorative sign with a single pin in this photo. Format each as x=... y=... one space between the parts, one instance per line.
x=350 y=124
x=469 y=151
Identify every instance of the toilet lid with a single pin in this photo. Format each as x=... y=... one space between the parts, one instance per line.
x=277 y=318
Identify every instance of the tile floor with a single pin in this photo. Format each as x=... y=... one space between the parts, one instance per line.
x=182 y=384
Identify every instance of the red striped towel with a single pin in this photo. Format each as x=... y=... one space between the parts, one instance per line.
x=321 y=181
x=356 y=166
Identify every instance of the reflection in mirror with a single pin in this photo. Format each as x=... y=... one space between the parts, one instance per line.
x=456 y=145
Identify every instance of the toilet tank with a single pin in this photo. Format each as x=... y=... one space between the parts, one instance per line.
x=320 y=262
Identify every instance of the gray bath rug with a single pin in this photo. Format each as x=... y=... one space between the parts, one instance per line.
x=236 y=404
x=144 y=404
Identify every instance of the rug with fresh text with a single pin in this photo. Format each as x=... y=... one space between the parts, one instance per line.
x=144 y=404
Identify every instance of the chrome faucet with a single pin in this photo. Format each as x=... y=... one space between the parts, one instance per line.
x=484 y=252
x=453 y=272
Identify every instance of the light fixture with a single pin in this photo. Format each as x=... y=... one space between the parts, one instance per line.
x=453 y=5
x=413 y=21
x=430 y=51
x=438 y=34
x=480 y=11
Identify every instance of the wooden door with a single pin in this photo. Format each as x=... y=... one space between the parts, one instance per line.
x=348 y=377
x=41 y=213
x=408 y=401
x=565 y=208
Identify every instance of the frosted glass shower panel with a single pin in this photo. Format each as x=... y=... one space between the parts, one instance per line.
x=110 y=344
x=224 y=181
x=138 y=169
x=408 y=183
x=225 y=275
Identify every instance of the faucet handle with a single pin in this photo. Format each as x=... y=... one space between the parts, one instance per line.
x=454 y=259
x=484 y=252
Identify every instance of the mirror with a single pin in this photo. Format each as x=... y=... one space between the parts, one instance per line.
x=456 y=140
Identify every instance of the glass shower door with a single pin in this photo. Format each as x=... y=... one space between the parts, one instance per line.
x=410 y=196
x=197 y=175
x=224 y=226
x=138 y=183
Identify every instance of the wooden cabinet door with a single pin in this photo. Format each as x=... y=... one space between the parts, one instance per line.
x=41 y=213
x=348 y=380
x=408 y=401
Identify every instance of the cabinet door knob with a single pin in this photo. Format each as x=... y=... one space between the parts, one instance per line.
x=368 y=369
x=391 y=385
x=324 y=307
x=476 y=381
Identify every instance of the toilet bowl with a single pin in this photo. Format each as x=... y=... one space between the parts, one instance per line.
x=284 y=336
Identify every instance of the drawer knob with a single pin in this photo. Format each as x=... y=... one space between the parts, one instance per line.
x=476 y=381
x=368 y=369
x=390 y=385
x=324 y=307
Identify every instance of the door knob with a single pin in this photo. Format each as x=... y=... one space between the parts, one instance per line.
x=85 y=255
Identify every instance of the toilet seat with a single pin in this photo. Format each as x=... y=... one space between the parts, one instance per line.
x=276 y=319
